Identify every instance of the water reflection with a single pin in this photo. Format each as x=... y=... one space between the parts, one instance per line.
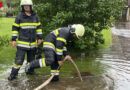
x=118 y=59
x=96 y=80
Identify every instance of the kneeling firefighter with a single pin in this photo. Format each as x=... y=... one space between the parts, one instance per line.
x=54 y=46
x=28 y=29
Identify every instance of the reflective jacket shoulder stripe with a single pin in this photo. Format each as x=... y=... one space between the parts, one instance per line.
x=57 y=32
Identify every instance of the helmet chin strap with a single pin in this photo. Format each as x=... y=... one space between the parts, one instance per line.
x=72 y=30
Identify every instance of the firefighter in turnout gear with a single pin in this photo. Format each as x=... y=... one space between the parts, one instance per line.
x=54 y=46
x=26 y=29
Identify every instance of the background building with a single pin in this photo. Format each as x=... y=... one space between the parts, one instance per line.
x=126 y=12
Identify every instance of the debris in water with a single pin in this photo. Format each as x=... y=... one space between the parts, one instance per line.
x=83 y=74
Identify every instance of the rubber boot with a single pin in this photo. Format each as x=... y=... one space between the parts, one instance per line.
x=31 y=72
x=29 y=69
x=55 y=78
x=13 y=74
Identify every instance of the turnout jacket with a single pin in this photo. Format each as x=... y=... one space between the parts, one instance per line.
x=57 y=41
x=27 y=29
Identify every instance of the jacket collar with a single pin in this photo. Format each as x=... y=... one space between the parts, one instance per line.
x=32 y=14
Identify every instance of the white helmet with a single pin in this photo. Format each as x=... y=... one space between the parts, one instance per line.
x=79 y=30
x=26 y=2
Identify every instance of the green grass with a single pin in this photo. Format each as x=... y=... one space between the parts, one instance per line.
x=6 y=26
x=7 y=54
x=107 y=37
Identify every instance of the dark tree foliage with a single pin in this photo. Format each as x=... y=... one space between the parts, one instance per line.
x=95 y=15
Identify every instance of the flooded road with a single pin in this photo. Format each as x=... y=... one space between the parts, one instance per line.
x=109 y=68
x=118 y=59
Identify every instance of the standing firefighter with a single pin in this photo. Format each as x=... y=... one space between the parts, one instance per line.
x=54 y=47
x=27 y=28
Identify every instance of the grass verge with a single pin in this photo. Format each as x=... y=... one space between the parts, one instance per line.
x=6 y=26
x=107 y=38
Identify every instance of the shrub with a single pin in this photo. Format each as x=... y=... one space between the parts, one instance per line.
x=5 y=40
x=95 y=15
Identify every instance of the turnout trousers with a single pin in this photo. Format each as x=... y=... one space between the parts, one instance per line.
x=20 y=55
x=49 y=60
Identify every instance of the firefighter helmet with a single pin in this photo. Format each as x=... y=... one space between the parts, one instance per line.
x=26 y=2
x=79 y=30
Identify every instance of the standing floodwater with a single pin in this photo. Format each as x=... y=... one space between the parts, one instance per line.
x=103 y=69
x=118 y=59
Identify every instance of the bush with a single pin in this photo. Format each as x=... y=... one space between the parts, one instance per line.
x=95 y=15
x=14 y=7
x=5 y=40
x=0 y=14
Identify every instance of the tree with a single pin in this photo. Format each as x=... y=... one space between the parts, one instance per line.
x=13 y=7
x=95 y=15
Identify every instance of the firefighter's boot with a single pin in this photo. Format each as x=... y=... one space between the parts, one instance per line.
x=29 y=69
x=13 y=74
x=55 y=78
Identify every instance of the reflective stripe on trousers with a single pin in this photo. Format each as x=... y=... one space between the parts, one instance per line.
x=42 y=62
x=16 y=66
x=55 y=71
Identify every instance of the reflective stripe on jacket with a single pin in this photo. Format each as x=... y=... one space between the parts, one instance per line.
x=57 y=40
